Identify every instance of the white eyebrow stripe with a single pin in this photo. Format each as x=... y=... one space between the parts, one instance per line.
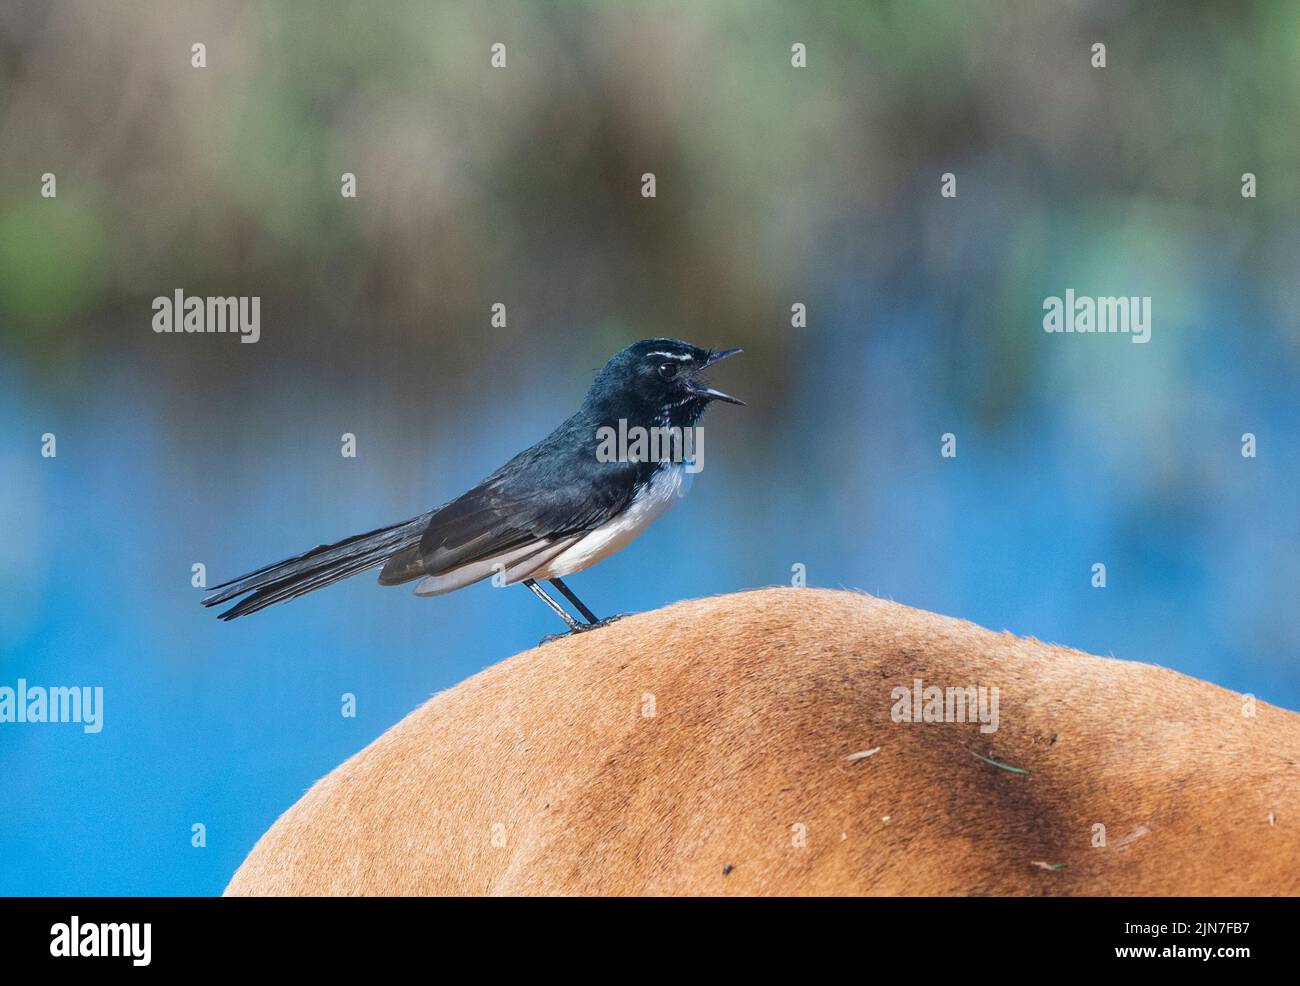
x=679 y=356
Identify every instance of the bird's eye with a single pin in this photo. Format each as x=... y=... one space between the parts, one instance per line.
x=668 y=370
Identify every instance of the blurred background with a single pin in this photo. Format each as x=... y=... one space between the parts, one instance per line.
x=775 y=186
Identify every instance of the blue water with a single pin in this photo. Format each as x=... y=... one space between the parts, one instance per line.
x=1115 y=453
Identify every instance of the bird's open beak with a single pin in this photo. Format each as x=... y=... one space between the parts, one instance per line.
x=722 y=354
x=701 y=389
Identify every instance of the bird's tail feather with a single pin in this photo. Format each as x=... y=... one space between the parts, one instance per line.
x=313 y=569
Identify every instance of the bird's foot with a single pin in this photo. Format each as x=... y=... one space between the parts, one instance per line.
x=606 y=621
x=582 y=628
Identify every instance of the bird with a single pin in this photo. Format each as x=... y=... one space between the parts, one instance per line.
x=556 y=508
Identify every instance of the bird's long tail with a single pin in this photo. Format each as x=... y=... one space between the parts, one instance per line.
x=319 y=567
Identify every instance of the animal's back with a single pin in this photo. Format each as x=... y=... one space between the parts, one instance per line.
x=704 y=749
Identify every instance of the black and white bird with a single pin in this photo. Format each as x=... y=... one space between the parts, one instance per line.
x=554 y=509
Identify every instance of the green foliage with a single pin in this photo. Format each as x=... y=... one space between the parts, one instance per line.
x=53 y=256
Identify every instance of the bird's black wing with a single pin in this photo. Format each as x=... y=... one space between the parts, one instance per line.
x=550 y=492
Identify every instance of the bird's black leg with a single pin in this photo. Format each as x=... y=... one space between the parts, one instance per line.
x=573 y=625
x=556 y=608
x=572 y=597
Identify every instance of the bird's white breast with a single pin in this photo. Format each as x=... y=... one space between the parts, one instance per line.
x=666 y=487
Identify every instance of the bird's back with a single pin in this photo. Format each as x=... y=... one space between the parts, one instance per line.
x=552 y=492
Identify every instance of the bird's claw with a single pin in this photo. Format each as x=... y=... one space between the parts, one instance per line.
x=582 y=628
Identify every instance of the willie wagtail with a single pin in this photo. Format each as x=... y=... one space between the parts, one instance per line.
x=552 y=510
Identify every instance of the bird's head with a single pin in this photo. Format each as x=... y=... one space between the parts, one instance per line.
x=659 y=378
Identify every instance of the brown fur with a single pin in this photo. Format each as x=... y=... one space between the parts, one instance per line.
x=758 y=700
